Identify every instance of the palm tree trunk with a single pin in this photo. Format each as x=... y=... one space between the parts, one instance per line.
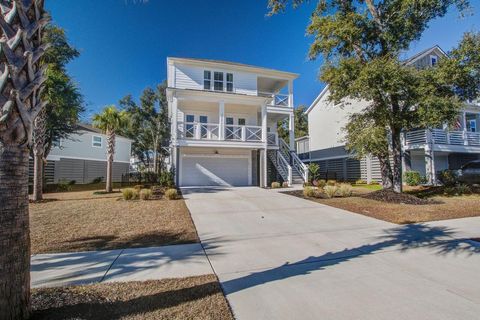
x=110 y=154
x=109 y=183
x=37 y=177
x=39 y=135
x=14 y=233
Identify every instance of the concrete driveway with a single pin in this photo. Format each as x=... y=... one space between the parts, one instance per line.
x=281 y=257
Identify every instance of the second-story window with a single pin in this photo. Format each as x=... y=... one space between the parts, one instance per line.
x=97 y=141
x=433 y=60
x=230 y=82
x=218 y=81
x=207 y=80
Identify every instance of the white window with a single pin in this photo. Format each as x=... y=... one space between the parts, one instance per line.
x=97 y=141
x=472 y=125
x=207 y=80
x=218 y=81
x=433 y=60
x=229 y=82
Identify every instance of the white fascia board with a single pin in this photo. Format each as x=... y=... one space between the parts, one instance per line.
x=314 y=103
x=58 y=158
x=220 y=144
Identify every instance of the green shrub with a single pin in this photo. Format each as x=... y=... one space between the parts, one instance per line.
x=345 y=190
x=138 y=187
x=171 y=194
x=167 y=179
x=285 y=184
x=276 y=185
x=448 y=178
x=129 y=194
x=360 y=181
x=145 y=194
x=374 y=183
x=64 y=185
x=97 y=180
x=330 y=191
x=307 y=184
x=331 y=182
x=458 y=190
x=413 y=178
x=309 y=192
x=313 y=171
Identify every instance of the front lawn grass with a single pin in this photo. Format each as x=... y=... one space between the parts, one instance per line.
x=187 y=298
x=441 y=207
x=83 y=221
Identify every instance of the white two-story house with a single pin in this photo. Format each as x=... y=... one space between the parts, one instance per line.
x=224 y=124
x=426 y=150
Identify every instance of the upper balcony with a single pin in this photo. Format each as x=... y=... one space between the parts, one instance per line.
x=441 y=139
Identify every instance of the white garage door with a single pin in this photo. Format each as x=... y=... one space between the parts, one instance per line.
x=198 y=170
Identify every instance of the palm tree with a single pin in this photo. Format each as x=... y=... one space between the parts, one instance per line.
x=21 y=82
x=110 y=121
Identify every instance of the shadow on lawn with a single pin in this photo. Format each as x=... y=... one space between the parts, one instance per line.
x=402 y=238
x=71 y=303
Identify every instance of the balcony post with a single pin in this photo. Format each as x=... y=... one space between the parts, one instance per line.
x=221 y=120
x=264 y=123
x=174 y=119
x=291 y=130
x=197 y=130
x=244 y=134
x=290 y=94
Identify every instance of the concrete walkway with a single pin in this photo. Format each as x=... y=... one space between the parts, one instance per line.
x=281 y=257
x=176 y=261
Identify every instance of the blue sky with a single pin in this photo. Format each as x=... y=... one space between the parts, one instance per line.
x=124 y=43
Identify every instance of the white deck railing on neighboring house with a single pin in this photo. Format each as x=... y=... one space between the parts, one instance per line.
x=440 y=136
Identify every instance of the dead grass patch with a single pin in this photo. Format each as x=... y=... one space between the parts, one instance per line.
x=81 y=221
x=440 y=207
x=188 y=298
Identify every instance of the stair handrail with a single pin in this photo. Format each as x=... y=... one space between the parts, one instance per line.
x=285 y=166
x=298 y=164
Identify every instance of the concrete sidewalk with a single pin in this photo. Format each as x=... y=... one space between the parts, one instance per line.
x=154 y=263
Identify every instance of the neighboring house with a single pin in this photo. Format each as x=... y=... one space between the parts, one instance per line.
x=224 y=124
x=82 y=157
x=425 y=150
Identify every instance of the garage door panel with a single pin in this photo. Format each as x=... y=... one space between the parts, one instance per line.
x=214 y=171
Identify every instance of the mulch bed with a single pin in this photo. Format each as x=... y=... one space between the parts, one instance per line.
x=393 y=197
x=174 y=299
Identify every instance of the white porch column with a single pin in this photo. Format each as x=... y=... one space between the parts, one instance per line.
x=221 y=120
x=264 y=123
x=290 y=93
x=291 y=130
x=174 y=119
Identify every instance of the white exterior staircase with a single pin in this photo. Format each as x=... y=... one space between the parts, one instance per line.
x=288 y=164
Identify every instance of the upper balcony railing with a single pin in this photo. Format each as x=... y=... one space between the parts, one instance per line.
x=276 y=99
x=440 y=136
x=212 y=131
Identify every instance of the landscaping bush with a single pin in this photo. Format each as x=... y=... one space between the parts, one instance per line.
x=139 y=187
x=374 y=183
x=313 y=171
x=97 y=180
x=129 y=194
x=307 y=184
x=448 y=178
x=309 y=192
x=285 y=184
x=330 y=191
x=171 y=194
x=360 y=181
x=145 y=194
x=413 y=178
x=345 y=190
x=320 y=183
x=276 y=185
x=64 y=185
x=458 y=190
x=331 y=183
x=166 y=179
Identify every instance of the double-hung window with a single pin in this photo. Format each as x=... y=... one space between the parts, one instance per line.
x=207 y=80
x=218 y=81
x=229 y=82
x=97 y=141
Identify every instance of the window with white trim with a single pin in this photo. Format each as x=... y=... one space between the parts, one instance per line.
x=229 y=85
x=218 y=81
x=207 y=80
x=97 y=141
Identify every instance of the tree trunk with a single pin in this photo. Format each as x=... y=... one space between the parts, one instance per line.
x=14 y=233
x=37 y=177
x=397 y=160
x=386 y=171
x=109 y=183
